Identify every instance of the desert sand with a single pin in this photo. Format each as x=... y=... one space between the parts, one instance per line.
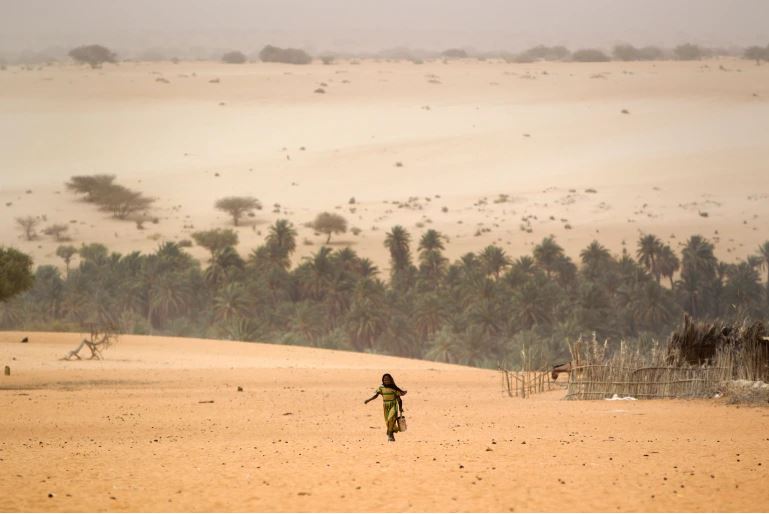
x=670 y=148
x=160 y=426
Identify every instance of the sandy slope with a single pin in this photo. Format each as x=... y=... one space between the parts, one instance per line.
x=693 y=143
x=129 y=433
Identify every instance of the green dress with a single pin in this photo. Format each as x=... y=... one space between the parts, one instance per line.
x=390 y=397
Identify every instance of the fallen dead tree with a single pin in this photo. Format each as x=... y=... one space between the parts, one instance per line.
x=97 y=342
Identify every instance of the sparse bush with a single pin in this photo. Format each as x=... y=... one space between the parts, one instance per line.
x=284 y=55
x=589 y=55
x=651 y=53
x=329 y=223
x=234 y=57
x=28 y=224
x=57 y=231
x=543 y=53
x=455 y=53
x=688 y=52
x=631 y=53
x=757 y=53
x=626 y=53
x=215 y=240
x=327 y=59
x=93 y=55
x=237 y=206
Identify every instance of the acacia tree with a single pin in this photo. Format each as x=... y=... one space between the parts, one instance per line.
x=28 y=224
x=123 y=202
x=237 y=206
x=329 y=223
x=92 y=186
x=15 y=273
x=93 y=55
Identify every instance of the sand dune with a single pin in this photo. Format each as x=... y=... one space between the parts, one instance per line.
x=691 y=141
x=130 y=433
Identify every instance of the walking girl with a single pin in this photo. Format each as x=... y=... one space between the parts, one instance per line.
x=393 y=405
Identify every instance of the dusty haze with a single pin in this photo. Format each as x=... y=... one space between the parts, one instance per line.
x=366 y=25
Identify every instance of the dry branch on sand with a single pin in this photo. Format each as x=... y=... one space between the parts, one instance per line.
x=96 y=343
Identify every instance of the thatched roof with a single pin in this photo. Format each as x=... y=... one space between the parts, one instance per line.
x=698 y=342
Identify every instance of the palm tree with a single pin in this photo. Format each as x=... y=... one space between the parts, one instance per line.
x=699 y=276
x=366 y=268
x=345 y=259
x=698 y=257
x=649 y=249
x=548 y=255
x=743 y=288
x=431 y=240
x=230 y=303
x=668 y=263
x=432 y=266
x=315 y=273
x=281 y=240
x=224 y=264
x=338 y=294
x=367 y=318
x=520 y=271
x=652 y=308
x=429 y=314
x=444 y=346
x=397 y=241
x=494 y=260
x=308 y=321
x=167 y=295
x=487 y=316
x=596 y=260
x=763 y=251
x=534 y=301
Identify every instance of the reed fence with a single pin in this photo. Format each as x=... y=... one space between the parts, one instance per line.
x=738 y=353
x=522 y=384
x=599 y=381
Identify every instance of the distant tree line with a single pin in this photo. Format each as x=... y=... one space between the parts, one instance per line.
x=97 y=55
x=482 y=309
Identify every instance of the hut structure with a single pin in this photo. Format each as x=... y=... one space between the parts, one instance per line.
x=699 y=361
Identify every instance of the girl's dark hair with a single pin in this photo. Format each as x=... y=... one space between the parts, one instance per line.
x=393 y=386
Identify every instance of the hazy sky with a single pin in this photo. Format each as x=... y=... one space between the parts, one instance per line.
x=366 y=25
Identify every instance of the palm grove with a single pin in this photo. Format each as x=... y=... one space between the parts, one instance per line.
x=483 y=309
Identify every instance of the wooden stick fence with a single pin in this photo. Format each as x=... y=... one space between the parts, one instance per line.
x=598 y=381
x=522 y=384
